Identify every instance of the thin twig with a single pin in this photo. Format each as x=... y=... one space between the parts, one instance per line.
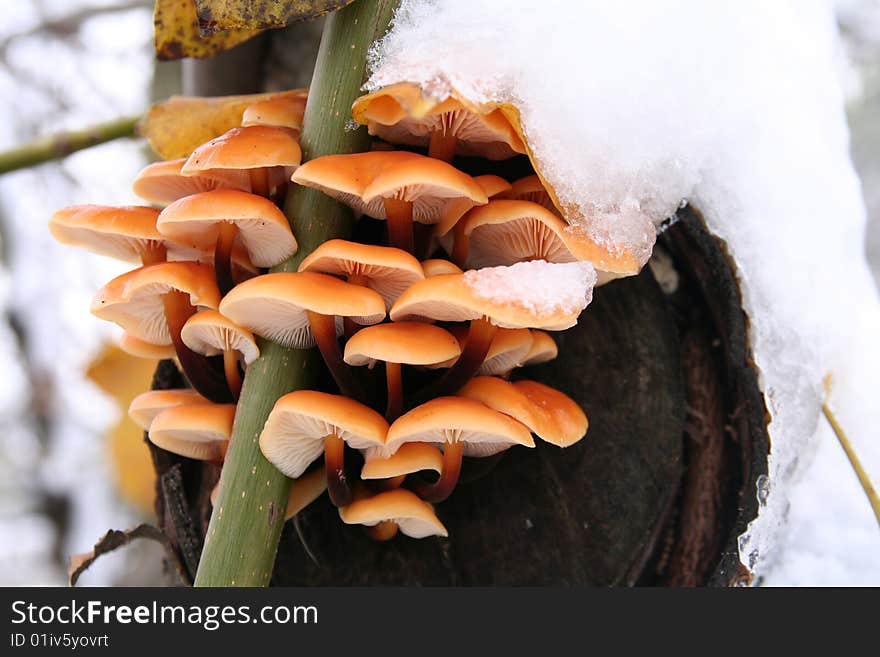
x=65 y=143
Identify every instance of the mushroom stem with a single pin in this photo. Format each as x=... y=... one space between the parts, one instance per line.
x=384 y=531
x=400 y=223
x=324 y=330
x=154 y=254
x=442 y=145
x=223 y=256
x=395 y=391
x=349 y=326
x=233 y=376
x=443 y=487
x=198 y=371
x=479 y=339
x=334 y=463
x=260 y=182
x=460 y=245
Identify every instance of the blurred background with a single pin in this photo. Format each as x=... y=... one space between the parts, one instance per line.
x=70 y=465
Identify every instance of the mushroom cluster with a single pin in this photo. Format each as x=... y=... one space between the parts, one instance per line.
x=420 y=331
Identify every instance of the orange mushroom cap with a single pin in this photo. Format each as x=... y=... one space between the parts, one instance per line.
x=364 y=180
x=209 y=333
x=146 y=406
x=284 y=111
x=387 y=270
x=276 y=306
x=161 y=183
x=402 y=114
x=196 y=431
x=414 y=517
x=407 y=343
x=263 y=230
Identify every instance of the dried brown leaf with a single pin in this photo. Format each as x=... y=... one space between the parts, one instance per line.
x=178 y=125
x=216 y=15
x=112 y=540
x=176 y=32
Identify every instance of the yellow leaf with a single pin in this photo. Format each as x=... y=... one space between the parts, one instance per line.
x=214 y=15
x=123 y=377
x=178 y=125
x=176 y=32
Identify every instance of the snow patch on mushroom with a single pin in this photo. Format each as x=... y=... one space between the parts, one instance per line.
x=541 y=287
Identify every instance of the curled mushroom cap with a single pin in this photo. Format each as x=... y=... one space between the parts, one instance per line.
x=161 y=183
x=263 y=230
x=504 y=232
x=142 y=349
x=364 y=180
x=209 y=333
x=482 y=430
x=414 y=517
x=247 y=148
x=197 y=431
x=293 y=436
x=438 y=266
x=134 y=300
x=276 y=306
x=476 y=295
x=408 y=459
x=549 y=414
x=506 y=351
x=387 y=270
x=402 y=114
x=127 y=233
x=284 y=111
x=408 y=343
x=543 y=349
x=147 y=405
x=531 y=189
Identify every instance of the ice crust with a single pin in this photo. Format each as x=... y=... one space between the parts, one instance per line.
x=737 y=108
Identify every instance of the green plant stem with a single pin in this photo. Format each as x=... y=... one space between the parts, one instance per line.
x=854 y=461
x=246 y=523
x=65 y=143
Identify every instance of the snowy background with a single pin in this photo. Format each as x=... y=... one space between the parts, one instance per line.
x=69 y=63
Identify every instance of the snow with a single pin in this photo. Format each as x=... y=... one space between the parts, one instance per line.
x=541 y=287
x=630 y=108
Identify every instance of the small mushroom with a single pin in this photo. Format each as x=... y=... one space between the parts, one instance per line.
x=402 y=114
x=305 y=424
x=506 y=351
x=396 y=186
x=551 y=415
x=126 y=233
x=543 y=349
x=531 y=189
x=396 y=344
x=143 y=349
x=268 y=154
x=209 y=333
x=437 y=266
x=161 y=183
x=196 y=431
x=218 y=218
x=410 y=458
x=492 y=186
x=387 y=270
x=146 y=406
x=462 y=427
x=153 y=303
x=386 y=513
x=283 y=111
x=302 y=309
